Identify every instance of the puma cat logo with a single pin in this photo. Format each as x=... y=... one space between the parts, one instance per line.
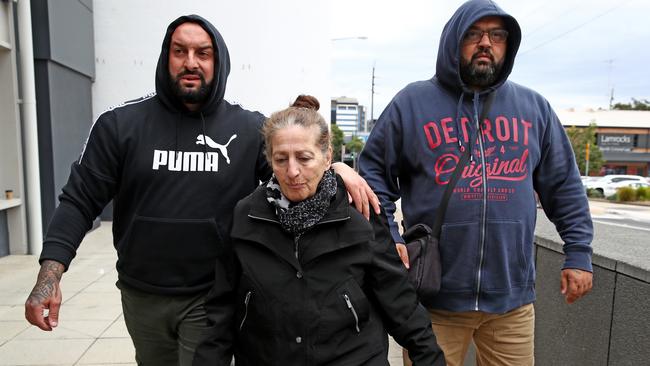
x=223 y=149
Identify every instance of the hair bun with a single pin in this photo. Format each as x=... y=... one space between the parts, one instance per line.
x=306 y=101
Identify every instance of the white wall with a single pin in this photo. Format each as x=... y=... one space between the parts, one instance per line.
x=278 y=49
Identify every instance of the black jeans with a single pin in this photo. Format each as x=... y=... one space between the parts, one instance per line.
x=165 y=329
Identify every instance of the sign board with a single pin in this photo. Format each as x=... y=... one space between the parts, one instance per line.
x=616 y=142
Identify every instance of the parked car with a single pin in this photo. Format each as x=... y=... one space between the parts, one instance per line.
x=608 y=184
x=586 y=179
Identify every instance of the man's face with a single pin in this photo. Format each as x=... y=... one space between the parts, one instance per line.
x=191 y=63
x=481 y=60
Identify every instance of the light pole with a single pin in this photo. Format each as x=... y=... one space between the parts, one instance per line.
x=372 y=100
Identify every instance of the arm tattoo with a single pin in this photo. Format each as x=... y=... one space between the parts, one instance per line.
x=48 y=277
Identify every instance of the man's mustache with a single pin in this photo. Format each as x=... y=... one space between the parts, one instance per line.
x=189 y=72
x=483 y=53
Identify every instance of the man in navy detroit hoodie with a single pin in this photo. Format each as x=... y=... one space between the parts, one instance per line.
x=488 y=273
x=174 y=163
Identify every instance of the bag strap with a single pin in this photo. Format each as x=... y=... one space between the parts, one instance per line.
x=440 y=215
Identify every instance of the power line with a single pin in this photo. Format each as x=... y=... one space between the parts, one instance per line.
x=572 y=29
x=555 y=19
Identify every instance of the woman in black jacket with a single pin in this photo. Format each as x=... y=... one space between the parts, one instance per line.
x=310 y=281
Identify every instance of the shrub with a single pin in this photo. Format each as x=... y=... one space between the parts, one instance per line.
x=643 y=194
x=594 y=193
x=626 y=194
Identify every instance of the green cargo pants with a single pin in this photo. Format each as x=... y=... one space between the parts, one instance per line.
x=165 y=329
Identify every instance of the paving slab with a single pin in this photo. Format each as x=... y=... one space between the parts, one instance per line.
x=109 y=350
x=43 y=352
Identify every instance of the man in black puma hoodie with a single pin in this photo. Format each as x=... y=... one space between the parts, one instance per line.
x=175 y=163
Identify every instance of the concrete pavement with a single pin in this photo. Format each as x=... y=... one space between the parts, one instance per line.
x=91 y=328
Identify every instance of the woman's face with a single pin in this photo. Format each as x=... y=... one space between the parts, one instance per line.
x=298 y=162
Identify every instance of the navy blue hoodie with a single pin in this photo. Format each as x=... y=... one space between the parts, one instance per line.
x=174 y=176
x=519 y=149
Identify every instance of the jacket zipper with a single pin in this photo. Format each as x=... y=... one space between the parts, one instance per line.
x=246 y=301
x=483 y=211
x=354 y=312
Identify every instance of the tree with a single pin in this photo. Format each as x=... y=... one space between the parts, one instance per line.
x=337 y=142
x=636 y=105
x=355 y=145
x=579 y=138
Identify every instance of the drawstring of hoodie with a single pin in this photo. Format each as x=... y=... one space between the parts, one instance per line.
x=176 y=135
x=205 y=148
x=459 y=106
x=475 y=103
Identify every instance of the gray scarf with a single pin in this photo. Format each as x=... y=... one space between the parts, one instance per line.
x=298 y=217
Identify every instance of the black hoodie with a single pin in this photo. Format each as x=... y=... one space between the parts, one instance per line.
x=174 y=175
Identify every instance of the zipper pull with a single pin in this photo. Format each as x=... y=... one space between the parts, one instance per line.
x=295 y=246
x=246 y=301
x=354 y=312
x=347 y=301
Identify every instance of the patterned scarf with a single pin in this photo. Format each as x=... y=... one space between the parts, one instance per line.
x=296 y=218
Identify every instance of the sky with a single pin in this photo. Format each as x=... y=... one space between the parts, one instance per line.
x=573 y=52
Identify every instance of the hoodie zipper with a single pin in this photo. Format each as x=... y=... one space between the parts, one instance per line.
x=246 y=301
x=354 y=312
x=479 y=129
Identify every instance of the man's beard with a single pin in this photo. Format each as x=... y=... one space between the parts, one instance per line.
x=481 y=76
x=190 y=96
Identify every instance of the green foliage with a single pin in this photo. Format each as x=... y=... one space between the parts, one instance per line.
x=626 y=194
x=355 y=145
x=643 y=194
x=337 y=142
x=594 y=193
x=579 y=138
x=636 y=105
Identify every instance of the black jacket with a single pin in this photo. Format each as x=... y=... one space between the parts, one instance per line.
x=331 y=305
x=174 y=177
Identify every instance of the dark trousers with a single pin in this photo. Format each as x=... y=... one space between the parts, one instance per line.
x=165 y=329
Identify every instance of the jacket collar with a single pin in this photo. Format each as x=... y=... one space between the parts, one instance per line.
x=339 y=208
x=313 y=243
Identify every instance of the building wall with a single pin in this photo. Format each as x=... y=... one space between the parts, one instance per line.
x=611 y=324
x=622 y=136
x=347 y=118
x=278 y=49
x=13 y=233
x=64 y=68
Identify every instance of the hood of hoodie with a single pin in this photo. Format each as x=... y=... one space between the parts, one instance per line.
x=221 y=68
x=448 y=62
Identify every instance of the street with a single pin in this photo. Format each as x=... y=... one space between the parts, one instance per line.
x=622 y=215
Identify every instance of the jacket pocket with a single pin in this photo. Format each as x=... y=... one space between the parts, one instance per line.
x=349 y=327
x=257 y=339
x=459 y=254
x=355 y=306
x=170 y=253
x=507 y=264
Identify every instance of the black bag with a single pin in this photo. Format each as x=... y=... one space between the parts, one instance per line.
x=422 y=242
x=424 y=258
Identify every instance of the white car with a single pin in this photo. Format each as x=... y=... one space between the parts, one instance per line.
x=608 y=184
x=587 y=179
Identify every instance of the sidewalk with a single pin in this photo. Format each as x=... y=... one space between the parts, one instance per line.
x=91 y=329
